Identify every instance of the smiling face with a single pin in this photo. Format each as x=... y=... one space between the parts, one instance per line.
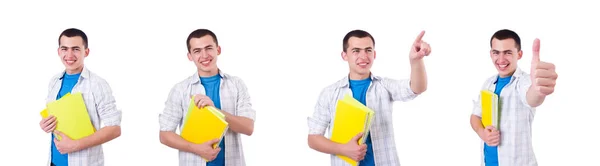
x=203 y=52
x=72 y=52
x=504 y=55
x=360 y=56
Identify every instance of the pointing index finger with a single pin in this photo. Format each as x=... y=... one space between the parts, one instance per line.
x=420 y=37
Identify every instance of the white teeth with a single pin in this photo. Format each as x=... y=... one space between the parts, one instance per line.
x=362 y=64
x=205 y=62
x=502 y=66
x=70 y=61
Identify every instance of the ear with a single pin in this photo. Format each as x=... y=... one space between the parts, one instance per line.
x=344 y=56
x=374 y=54
x=87 y=52
x=520 y=54
x=189 y=55
x=218 y=50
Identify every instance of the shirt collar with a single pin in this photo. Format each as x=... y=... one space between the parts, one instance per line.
x=345 y=82
x=517 y=74
x=196 y=77
x=85 y=73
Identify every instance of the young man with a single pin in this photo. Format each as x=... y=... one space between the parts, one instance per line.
x=519 y=94
x=377 y=93
x=211 y=87
x=97 y=95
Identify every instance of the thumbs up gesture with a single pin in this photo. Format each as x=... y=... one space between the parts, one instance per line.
x=543 y=75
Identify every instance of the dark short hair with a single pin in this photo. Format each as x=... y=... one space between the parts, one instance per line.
x=72 y=32
x=507 y=34
x=356 y=33
x=198 y=33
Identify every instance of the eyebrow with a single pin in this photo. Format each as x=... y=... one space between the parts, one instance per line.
x=355 y=48
x=502 y=50
x=69 y=47
x=198 y=49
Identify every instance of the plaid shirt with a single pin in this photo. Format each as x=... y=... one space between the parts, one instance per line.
x=516 y=118
x=101 y=107
x=380 y=97
x=235 y=99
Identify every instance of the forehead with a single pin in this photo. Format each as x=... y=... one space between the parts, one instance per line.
x=202 y=42
x=71 y=41
x=505 y=44
x=364 y=42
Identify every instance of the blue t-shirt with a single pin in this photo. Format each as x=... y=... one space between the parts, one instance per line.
x=68 y=82
x=212 y=85
x=491 y=152
x=359 y=92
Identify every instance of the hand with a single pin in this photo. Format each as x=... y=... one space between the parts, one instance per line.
x=543 y=76
x=490 y=135
x=353 y=150
x=203 y=100
x=66 y=144
x=48 y=124
x=419 y=48
x=206 y=151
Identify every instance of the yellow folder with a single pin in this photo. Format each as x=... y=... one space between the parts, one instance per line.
x=72 y=117
x=351 y=118
x=489 y=108
x=204 y=124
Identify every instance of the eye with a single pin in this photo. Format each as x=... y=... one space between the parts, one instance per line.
x=355 y=51
x=76 y=49
x=369 y=50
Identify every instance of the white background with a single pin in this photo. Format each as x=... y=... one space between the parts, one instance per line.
x=286 y=52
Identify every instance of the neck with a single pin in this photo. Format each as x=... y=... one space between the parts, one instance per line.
x=207 y=74
x=74 y=71
x=357 y=76
x=508 y=75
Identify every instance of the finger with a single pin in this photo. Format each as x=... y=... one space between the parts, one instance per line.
x=48 y=128
x=536 y=51
x=52 y=129
x=428 y=49
x=547 y=82
x=545 y=65
x=544 y=73
x=358 y=136
x=419 y=38
x=545 y=90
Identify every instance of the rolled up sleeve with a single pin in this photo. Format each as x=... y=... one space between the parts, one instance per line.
x=106 y=105
x=172 y=114
x=244 y=104
x=321 y=118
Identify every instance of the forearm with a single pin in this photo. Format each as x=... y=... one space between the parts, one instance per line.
x=418 y=76
x=239 y=124
x=477 y=125
x=175 y=141
x=534 y=99
x=101 y=136
x=322 y=144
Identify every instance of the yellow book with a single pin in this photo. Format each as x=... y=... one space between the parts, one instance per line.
x=489 y=108
x=351 y=118
x=204 y=124
x=71 y=115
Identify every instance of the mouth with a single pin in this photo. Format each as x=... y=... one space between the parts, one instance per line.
x=362 y=64
x=502 y=66
x=70 y=61
x=206 y=62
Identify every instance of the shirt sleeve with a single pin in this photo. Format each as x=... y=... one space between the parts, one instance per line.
x=106 y=105
x=172 y=114
x=244 y=104
x=399 y=89
x=321 y=118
